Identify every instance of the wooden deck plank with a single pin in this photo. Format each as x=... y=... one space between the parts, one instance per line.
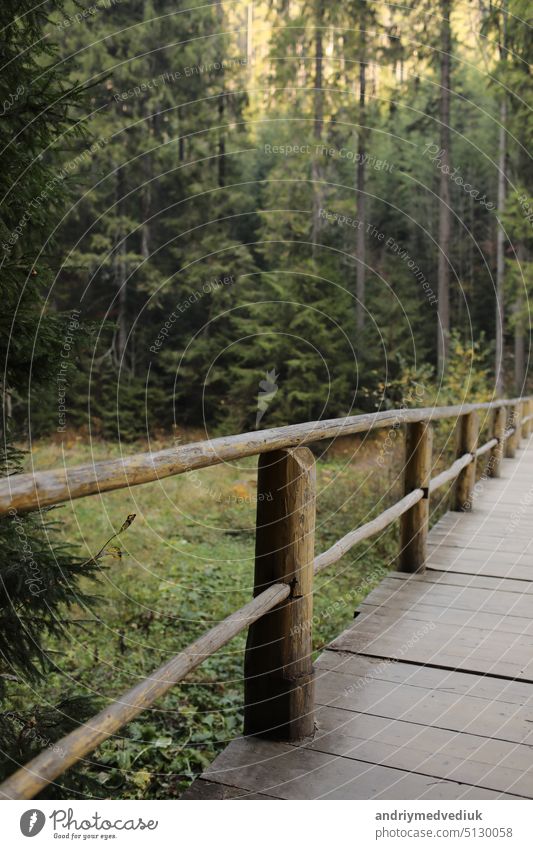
x=457 y=711
x=405 y=595
x=489 y=568
x=469 y=648
x=459 y=579
x=291 y=772
x=480 y=542
x=384 y=614
x=369 y=669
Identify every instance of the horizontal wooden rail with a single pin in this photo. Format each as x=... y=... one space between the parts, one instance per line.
x=340 y=548
x=488 y=446
x=451 y=473
x=43 y=489
x=49 y=764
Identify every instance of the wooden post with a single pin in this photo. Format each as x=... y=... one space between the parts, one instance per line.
x=523 y=414
x=513 y=442
x=526 y=426
x=496 y=453
x=467 y=438
x=278 y=668
x=417 y=472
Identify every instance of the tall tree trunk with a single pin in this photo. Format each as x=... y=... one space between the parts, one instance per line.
x=361 y=174
x=181 y=129
x=120 y=274
x=121 y=335
x=443 y=337
x=221 y=107
x=148 y=173
x=500 y=234
x=221 y=144
x=519 y=347
x=318 y=125
x=519 y=335
x=145 y=231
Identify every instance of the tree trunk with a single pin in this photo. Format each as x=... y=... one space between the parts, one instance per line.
x=500 y=235
x=221 y=108
x=443 y=330
x=361 y=198
x=146 y=201
x=519 y=335
x=121 y=335
x=519 y=347
x=120 y=275
x=318 y=126
x=181 y=142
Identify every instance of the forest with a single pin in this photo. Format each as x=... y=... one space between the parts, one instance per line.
x=215 y=219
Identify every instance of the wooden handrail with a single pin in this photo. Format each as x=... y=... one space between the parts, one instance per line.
x=488 y=446
x=450 y=473
x=343 y=546
x=43 y=489
x=282 y=613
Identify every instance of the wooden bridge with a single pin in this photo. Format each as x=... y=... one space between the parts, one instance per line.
x=429 y=695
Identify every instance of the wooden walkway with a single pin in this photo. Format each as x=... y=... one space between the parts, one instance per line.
x=429 y=694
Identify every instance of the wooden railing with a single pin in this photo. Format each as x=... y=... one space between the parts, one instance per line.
x=279 y=678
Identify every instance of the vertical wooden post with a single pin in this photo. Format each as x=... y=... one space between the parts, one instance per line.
x=278 y=668
x=496 y=453
x=417 y=472
x=467 y=438
x=513 y=442
x=522 y=412
x=526 y=430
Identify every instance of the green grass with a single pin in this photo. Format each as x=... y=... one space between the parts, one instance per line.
x=187 y=562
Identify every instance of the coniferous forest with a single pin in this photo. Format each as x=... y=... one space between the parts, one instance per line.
x=219 y=218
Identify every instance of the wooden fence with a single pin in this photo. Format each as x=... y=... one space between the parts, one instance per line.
x=279 y=683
